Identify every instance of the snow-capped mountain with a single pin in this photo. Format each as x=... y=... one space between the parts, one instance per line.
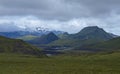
x=37 y=32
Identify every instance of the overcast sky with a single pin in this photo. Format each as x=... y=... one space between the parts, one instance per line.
x=64 y=15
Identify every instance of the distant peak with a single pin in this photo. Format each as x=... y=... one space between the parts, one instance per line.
x=91 y=28
x=51 y=34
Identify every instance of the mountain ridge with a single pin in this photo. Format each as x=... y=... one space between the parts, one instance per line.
x=18 y=34
x=86 y=36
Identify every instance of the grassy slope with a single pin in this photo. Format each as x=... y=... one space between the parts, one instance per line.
x=17 y=46
x=113 y=44
x=93 y=64
x=73 y=42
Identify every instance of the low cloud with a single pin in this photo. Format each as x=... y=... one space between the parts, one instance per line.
x=9 y=27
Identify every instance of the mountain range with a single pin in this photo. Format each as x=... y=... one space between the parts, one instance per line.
x=88 y=35
x=89 y=38
x=22 y=34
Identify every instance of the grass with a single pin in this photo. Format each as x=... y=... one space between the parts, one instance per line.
x=8 y=45
x=92 y=64
x=113 y=44
x=27 y=37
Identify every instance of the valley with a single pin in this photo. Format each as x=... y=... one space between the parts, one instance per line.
x=91 y=51
x=59 y=37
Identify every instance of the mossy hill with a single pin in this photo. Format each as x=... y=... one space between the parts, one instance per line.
x=8 y=45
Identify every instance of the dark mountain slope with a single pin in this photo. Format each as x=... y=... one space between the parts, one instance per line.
x=45 y=39
x=92 y=32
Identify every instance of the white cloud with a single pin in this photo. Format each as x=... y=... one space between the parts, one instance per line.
x=12 y=23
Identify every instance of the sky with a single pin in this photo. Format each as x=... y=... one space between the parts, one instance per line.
x=64 y=15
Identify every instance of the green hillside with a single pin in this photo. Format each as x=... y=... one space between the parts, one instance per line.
x=73 y=42
x=113 y=44
x=8 y=45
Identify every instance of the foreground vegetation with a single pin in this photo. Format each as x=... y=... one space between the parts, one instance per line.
x=86 y=64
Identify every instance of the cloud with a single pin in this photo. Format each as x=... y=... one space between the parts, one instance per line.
x=64 y=15
x=72 y=26
x=59 y=9
x=5 y=27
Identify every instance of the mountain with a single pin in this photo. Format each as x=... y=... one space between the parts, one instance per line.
x=19 y=34
x=113 y=35
x=86 y=36
x=44 y=39
x=92 y=32
x=112 y=44
x=46 y=30
x=38 y=31
x=8 y=45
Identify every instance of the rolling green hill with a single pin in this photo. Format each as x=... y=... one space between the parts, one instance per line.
x=113 y=44
x=8 y=45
